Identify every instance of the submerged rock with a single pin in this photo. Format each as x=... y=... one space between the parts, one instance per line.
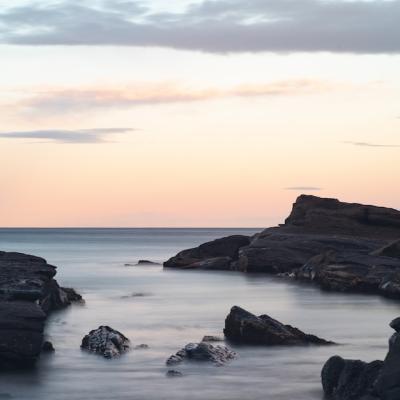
x=245 y=328
x=48 y=347
x=147 y=262
x=218 y=355
x=105 y=341
x=174 y=374
x=208 y=338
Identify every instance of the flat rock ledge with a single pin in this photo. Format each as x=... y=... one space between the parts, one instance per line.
x=242 y=327
x=106 y=342
x=28 y=293
x=206 y=352
x=357 y=380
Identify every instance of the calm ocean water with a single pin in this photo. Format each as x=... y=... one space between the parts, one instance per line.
x=177 y=308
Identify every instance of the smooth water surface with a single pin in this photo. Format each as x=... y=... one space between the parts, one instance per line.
x=168 y=309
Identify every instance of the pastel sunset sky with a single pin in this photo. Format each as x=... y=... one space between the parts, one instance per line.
x=195 y=113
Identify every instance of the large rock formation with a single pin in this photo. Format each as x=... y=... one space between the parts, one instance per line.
x=357 y=380
x=28 y=292
x=245 y=328
x=339 y=246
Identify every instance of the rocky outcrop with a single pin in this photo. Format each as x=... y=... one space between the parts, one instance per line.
x=28 y=292
x=218 y=355
x=245 y=328
x=339 y=246
x=106 y=342
x=218 y=254
x=357 y=380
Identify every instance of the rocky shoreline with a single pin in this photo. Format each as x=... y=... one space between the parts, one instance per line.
x=339 y=246
x=28 y=293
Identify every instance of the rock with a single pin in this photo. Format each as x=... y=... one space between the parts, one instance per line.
x=105 y=341
x=311 y=214
x=218 y=355
x=212 y=339
x=220 y=251
x=390 y=250
x=350 y=379
x=47 y=347
x=28 y=292
x=246 y=328
x=395 y=324
x=173 y=373
x=142 y=347
x=147 y=262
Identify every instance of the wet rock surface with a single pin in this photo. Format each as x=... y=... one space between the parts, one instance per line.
x=242 y=327
x=106 y=342
x=356 y=380
x=28 y=293
x=218 y=355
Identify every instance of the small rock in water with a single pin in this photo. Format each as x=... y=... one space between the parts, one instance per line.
x=173 y=373
x=212 y=339
x=147 y=262
x=105 y=341
x=142 y=347
x=48 y=347
x=219 y=355
x=133 y=295
x=395 y=324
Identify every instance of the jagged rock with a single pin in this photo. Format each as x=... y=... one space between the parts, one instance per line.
x=357 y=380
x=218 y=355
x=245 y=328
x=28 y=292
x=350 y=379
x=105 y=341
x=47 y=347
x=219 y=250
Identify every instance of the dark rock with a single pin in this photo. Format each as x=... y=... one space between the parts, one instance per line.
x=28 y=292
x=212 y=339
x=218 y=355
x=390 y=250
x=47 y=347
x=173 y=374
x=395 y=324
x=350 y=379
x=105 y=341
x=142 y=347
x=227 y=247
x=246 y=328
x=147 y=262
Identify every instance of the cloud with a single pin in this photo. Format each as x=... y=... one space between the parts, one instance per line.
x=218 y=26
x=366 y=144
x=97 y=135
x=72 y=100
x=305 y=188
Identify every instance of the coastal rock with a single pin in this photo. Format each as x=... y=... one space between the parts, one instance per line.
x=245 y=328
x=47 y=347
x=357 y=380
x=147 y=262
x=390 y=250
x=105 y=341
x=173 y=374
x=219 y=250
x=218 y=355
x=212 y=339
x=28 y=292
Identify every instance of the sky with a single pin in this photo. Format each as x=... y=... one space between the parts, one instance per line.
x=126 y=113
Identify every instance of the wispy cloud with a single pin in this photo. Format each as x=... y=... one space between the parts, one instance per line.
x=70 y=99
x=220 y=26
x=97 y=135
x=304 y=188
x=367 y=144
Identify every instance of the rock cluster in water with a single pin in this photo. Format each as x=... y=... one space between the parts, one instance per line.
x=28 y=293
x=339 y=246
x=105 y=341
x=245 y=328
x=357 y=380
x=204 y=351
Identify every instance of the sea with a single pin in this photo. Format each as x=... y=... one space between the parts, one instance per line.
x=167 y=309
